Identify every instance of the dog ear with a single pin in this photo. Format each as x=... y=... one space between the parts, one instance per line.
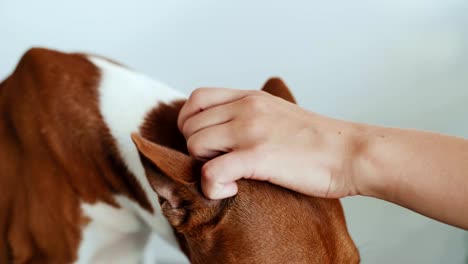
x=277 y=87
x=175 y=177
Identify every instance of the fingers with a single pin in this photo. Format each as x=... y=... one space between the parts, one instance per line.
x=204 y=98
x=211 y=142
x=219 y=174
x=213 y=116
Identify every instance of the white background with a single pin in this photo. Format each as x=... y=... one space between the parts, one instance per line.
x=398 y=63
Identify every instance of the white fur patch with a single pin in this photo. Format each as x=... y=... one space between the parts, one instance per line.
x=114 y=235
x=125 y=98
x=119 y=235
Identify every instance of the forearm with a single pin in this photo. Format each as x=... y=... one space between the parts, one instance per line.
x=425 y=172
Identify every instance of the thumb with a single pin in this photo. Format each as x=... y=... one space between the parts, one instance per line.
x=219 y=174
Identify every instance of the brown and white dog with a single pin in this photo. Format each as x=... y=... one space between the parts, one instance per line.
x=75 y=188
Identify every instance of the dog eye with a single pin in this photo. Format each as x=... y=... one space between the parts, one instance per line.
x=185 y=204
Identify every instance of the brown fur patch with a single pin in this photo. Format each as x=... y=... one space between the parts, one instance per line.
x=160 y=126
x=56 y=152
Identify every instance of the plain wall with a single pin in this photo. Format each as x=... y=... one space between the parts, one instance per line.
x=391 y=62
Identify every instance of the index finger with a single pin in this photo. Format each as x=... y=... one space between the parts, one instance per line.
x=204 y=98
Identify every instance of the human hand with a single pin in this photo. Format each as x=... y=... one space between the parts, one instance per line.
x=255 y=135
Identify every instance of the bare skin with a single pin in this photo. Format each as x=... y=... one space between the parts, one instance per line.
x=254 y=135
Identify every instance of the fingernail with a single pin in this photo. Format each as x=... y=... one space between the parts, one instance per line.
x=222 y=191
x=218 y=191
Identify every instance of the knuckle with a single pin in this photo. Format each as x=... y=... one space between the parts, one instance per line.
x=197 y=95
x=256 y=92
x=208 y=172
x=255 y=103
x=186 y=128
x=194 y=147
x=258 y=152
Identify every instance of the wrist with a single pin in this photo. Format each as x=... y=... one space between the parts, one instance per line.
x=368 y=177
x=347 y=146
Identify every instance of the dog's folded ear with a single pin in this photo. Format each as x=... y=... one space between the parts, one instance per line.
x=277 y=87
x=175 y=177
